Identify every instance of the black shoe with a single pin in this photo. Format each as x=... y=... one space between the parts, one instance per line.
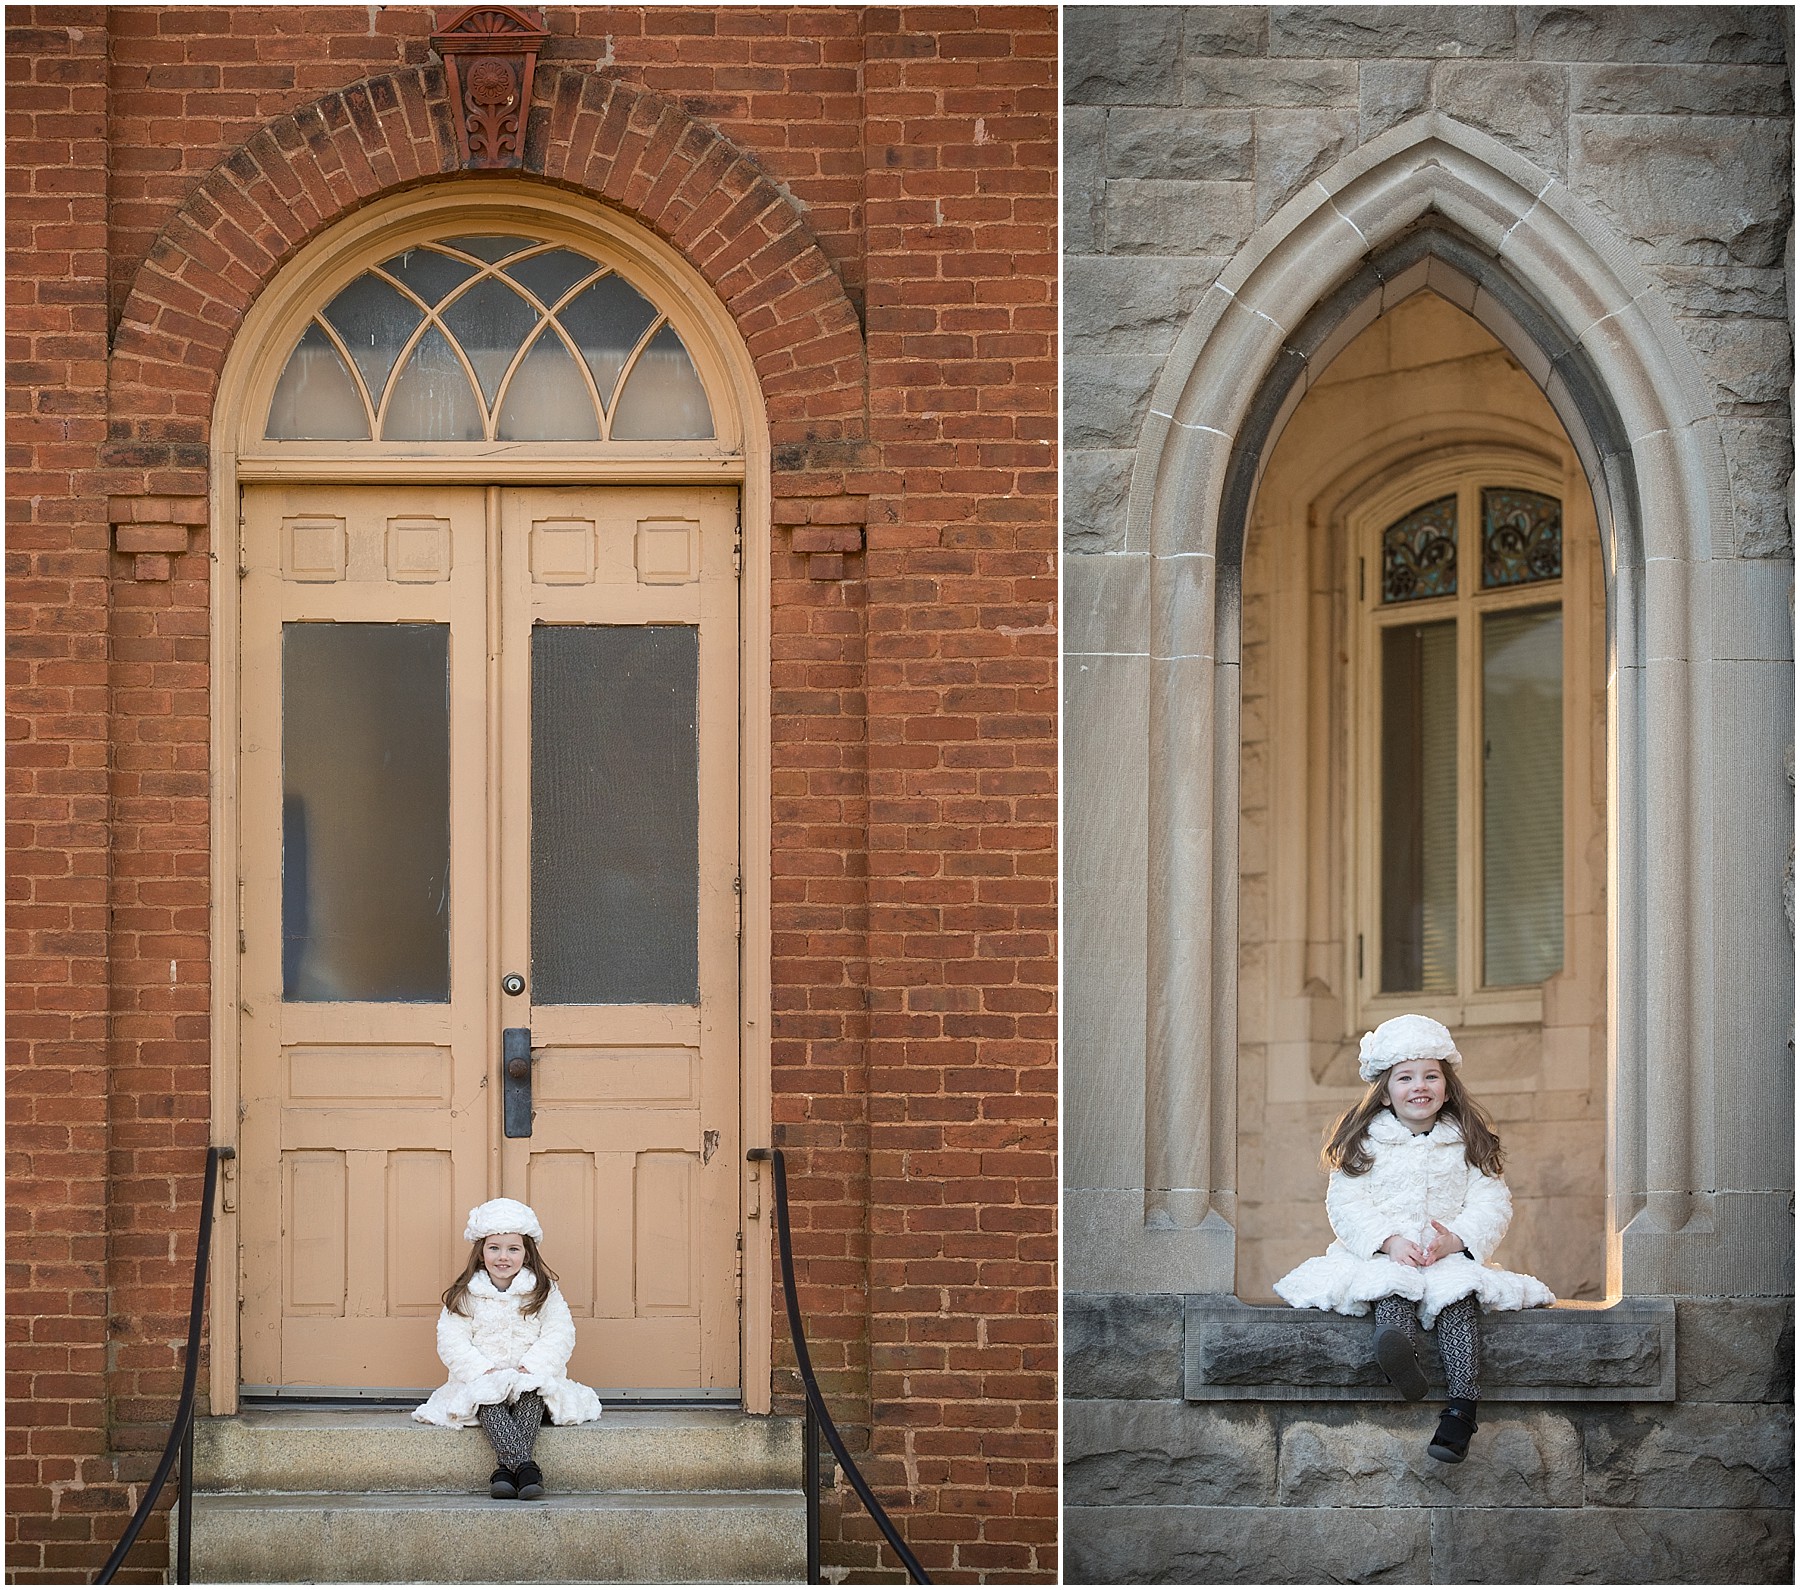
x=503 y=1486
x=531 y=1481
x=1400 y=1362
x=1451 y=1443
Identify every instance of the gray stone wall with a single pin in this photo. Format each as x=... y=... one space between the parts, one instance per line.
x=1161 y=1489
x=1185 y=130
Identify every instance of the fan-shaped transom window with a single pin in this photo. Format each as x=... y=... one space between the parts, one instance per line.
x=490 y=338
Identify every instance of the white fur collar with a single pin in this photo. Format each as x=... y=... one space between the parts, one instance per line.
x=1389 y=1128
x=482 y=1285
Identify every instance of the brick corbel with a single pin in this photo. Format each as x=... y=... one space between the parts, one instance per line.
x=154 y=531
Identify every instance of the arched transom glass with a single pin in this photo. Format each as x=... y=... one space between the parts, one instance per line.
x=490 y=338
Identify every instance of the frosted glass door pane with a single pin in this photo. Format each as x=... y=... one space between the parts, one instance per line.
x=1522 y=796
x=615 y=815
x=1418 y=808
x=365 y=812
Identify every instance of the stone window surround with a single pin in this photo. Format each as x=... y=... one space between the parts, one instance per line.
x=1433 y=205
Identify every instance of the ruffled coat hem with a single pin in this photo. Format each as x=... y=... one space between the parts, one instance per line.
x=1345 y=1284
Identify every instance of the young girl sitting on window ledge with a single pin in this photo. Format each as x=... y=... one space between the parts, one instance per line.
x=1418 y=1205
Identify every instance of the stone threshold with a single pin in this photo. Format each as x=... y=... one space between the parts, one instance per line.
x=1569 y=1352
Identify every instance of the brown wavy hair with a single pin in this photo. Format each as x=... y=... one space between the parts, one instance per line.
x=1347 y=1143
x=534 y=1262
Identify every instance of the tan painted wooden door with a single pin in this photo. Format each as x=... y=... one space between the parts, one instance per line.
x=489 y=734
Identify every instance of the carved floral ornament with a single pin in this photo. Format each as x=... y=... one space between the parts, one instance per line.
x=490 y=53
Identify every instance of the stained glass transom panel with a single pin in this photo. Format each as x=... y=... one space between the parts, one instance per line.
x=1521 y=538
x=1418 y=554
x=485 y=338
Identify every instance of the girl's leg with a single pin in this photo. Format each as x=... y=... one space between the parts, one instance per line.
x=501 y=1423
x=528 y=1416
x=1459 y=1345
x=1397 y=1346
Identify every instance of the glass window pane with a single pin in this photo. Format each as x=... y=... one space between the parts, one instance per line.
x=431 y=275
x=1522 y=796
x=490 y=322
x=663 y=399
x=605 y=323
x=615 y=815
x=432 y=400
x=1418 y=554
x=1418 y=808
x=491 y=249
x=1521 y=538
x=553 y=274
x=374 y=320
x=365 y=812
x=547 y=399
x=316 y=399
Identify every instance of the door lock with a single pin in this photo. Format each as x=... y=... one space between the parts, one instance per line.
x=512 y=983
x=515 y=1081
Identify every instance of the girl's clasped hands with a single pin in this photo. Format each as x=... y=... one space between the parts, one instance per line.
x=1445 y=1243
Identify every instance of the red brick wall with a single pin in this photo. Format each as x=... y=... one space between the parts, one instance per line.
x=912 y=152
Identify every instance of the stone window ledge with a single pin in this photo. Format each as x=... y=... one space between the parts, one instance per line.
x=1570 y=1352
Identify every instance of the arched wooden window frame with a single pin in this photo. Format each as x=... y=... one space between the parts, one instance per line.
x=738 y=453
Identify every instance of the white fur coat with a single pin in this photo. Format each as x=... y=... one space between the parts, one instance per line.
x=494 y=1352
x=1415 y=1178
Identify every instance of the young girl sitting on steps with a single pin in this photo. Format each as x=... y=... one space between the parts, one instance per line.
x=505 y=1335
x=1418 y=1204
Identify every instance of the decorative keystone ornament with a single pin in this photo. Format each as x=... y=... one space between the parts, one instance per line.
x=491 y=53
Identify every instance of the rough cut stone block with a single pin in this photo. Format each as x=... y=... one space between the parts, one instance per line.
x=1105 y=399
x=1131 y=306
x=1247 y=1545
x=1723 y=290
x=1178 y=145
x=1735 y=1454
x=1238 y=1351
x=1096 y=489
x=1390 y=91
x=1293 y=147
x=1221 y=84
x=1204 y=218
x=1123 y=55
x=1709 y=190
x=1604 y=1545
x=1225 y=30
x=1736 y=1350
x=1752 y=34
x=1387 y=31
x=1526 y=107
x=1749 y=361
x=1375 y=1456
x=1118 y=1345
x=1135 y=1454
x=1680 y=90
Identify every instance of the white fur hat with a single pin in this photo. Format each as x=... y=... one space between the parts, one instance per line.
x=1405 y=1038
x=502 y=1214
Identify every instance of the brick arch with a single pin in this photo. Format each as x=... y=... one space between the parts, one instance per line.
x=611 y=140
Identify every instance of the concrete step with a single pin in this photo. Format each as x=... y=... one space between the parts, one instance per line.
x=630 y=1449
x=645 y=1495
x=639 y=1538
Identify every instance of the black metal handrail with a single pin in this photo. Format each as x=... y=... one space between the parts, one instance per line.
x=181 y=1435
x=815 y=1402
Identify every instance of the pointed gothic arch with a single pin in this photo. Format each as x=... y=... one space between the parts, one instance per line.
x=1433 y=205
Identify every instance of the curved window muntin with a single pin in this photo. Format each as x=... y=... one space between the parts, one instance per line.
x=1461 y=472
x=548 y=222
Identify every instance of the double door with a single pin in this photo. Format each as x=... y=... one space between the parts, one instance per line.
x=489 y=921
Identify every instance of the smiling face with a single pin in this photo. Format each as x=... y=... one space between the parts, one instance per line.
x=1415 y=1090
x=502 y=1256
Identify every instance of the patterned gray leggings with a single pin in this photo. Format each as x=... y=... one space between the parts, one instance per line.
x=512 y=1427
x=1458 y=1339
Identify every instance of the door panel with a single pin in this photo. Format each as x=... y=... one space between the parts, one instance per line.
x=388 y=775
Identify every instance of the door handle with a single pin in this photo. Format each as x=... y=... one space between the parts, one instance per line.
x=515 y=1081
